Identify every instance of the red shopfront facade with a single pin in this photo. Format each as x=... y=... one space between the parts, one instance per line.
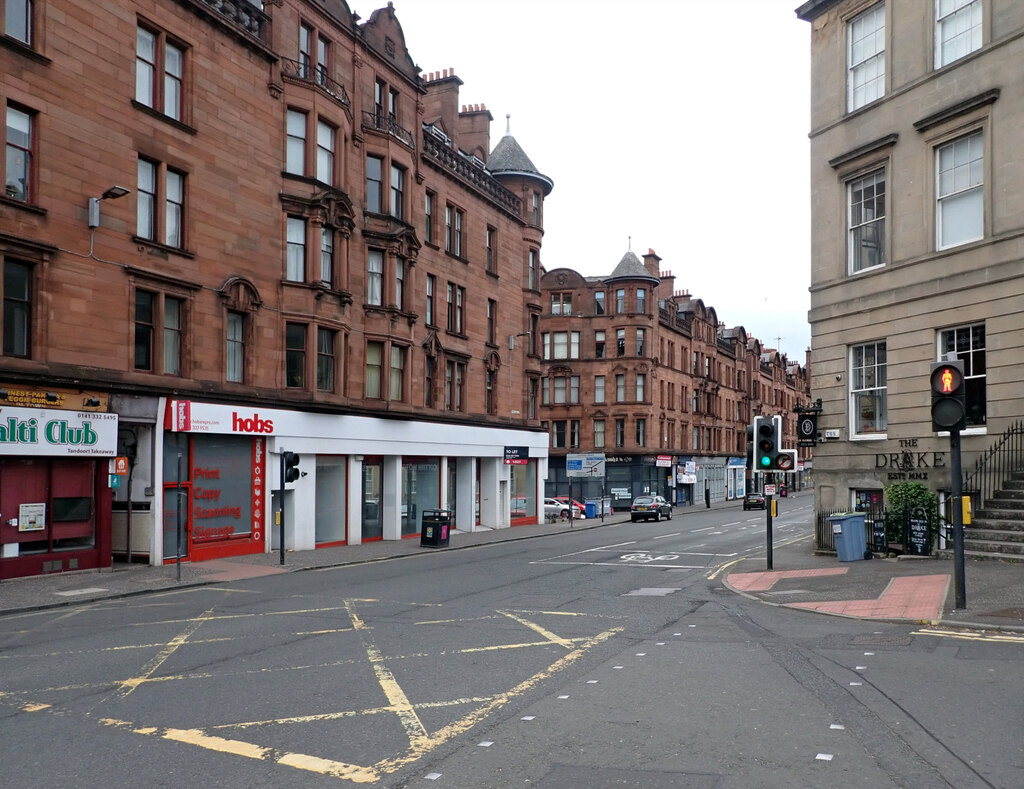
x=214 y=491
x=55 y=496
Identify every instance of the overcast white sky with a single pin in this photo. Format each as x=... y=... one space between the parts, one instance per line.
x=681 y=123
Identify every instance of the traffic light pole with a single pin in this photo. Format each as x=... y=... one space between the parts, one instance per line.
x=959 y=576
x=768 y=509
x=280 y=502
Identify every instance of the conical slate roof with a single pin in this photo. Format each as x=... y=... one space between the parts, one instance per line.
x=508 y=158
x=631 y=267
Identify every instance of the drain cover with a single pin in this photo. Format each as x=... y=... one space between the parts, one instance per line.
x=651 y=592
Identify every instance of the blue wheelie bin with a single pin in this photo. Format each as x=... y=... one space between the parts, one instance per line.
x=848 y=535
x=591 y=511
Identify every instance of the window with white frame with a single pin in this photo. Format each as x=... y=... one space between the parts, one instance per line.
x=295 y=355
x=397 y=191
x=374 y=369
x=295 y=265
x=641 y=335
x=641 y=432
x=295 y=149
x=620 y=388
x=641 y=300
x=397 y=377
x=620 y=342
x=17 y=309
x=598 y=388
x=866 y=221
x=159 y=187
x=558 y=434
x=960 y=199
x=431 y=280
x=18 y=162
x=374 y=184
x=599 y=433
x=868 y=389
x=325 y=153
x=559 y=389
x=957 y=29
x=967 y=343
x=574 y=433
x=375 y=277
x=400 y=283
x=159 y=72
x=620 y=432
x=641 y=383
x=866 y=57
x=325 y=361
x=326 y=255
x=599 y=344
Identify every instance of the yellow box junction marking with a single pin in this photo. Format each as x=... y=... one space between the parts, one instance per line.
x=420 y=741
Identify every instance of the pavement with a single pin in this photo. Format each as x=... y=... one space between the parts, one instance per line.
x=906 y=589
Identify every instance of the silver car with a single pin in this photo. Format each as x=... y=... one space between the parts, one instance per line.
x=650 y=508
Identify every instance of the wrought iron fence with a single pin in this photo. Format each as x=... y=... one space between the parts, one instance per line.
x=824 y=539
x=996 y=465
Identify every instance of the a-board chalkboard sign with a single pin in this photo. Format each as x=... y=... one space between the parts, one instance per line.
x=919 y=539
x=878 y=541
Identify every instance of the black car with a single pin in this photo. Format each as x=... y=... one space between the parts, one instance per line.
x=753 y=501
x=649 y=507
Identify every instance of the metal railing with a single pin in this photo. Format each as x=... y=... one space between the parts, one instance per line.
x=824 y=540
x=382 y=122
x=315 y=76
x=996 y=464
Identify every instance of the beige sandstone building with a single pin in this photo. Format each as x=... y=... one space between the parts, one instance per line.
x=917 y=120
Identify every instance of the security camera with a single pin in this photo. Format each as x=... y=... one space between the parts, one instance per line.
x=839 y=376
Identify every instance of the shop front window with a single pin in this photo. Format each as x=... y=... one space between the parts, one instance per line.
x=421 y=490
x=331 y=500
x=524 y=493
x=373 y=477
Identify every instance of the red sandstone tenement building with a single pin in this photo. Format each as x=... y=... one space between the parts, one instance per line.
x=229 y=231
x=649 y=377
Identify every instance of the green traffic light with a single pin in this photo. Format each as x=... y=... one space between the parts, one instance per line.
x=766 y=461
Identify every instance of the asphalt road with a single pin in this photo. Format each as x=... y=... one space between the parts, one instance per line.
x=598 y=659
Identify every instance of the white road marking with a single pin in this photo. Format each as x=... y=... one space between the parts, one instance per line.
x=663 y=536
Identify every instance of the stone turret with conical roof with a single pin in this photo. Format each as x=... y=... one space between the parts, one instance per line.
x=510 y=165
x=631 y=268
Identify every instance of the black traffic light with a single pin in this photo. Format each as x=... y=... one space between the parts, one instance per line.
x=768 y=452
x=766 y=442
x=750 y=447
x=949 y=396
x=290 y=466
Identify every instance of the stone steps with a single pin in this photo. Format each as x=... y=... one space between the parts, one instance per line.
x=994 y=546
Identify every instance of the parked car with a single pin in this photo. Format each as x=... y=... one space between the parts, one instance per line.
x=553 y=508
x=753 y=501
x=581 y=505
x=648 y=508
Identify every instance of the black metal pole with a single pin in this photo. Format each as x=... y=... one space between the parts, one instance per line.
x=959 y=577
x=280 y=501
x=768 y=510
x=179 y=495
x=128 y=520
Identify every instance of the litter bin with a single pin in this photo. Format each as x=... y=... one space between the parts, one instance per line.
x=435 y=526
x=591 y=510
x=848 y=535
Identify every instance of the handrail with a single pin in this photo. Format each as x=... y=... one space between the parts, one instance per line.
x=996 y=464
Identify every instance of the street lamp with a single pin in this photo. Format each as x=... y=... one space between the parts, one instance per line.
x=112 y=193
